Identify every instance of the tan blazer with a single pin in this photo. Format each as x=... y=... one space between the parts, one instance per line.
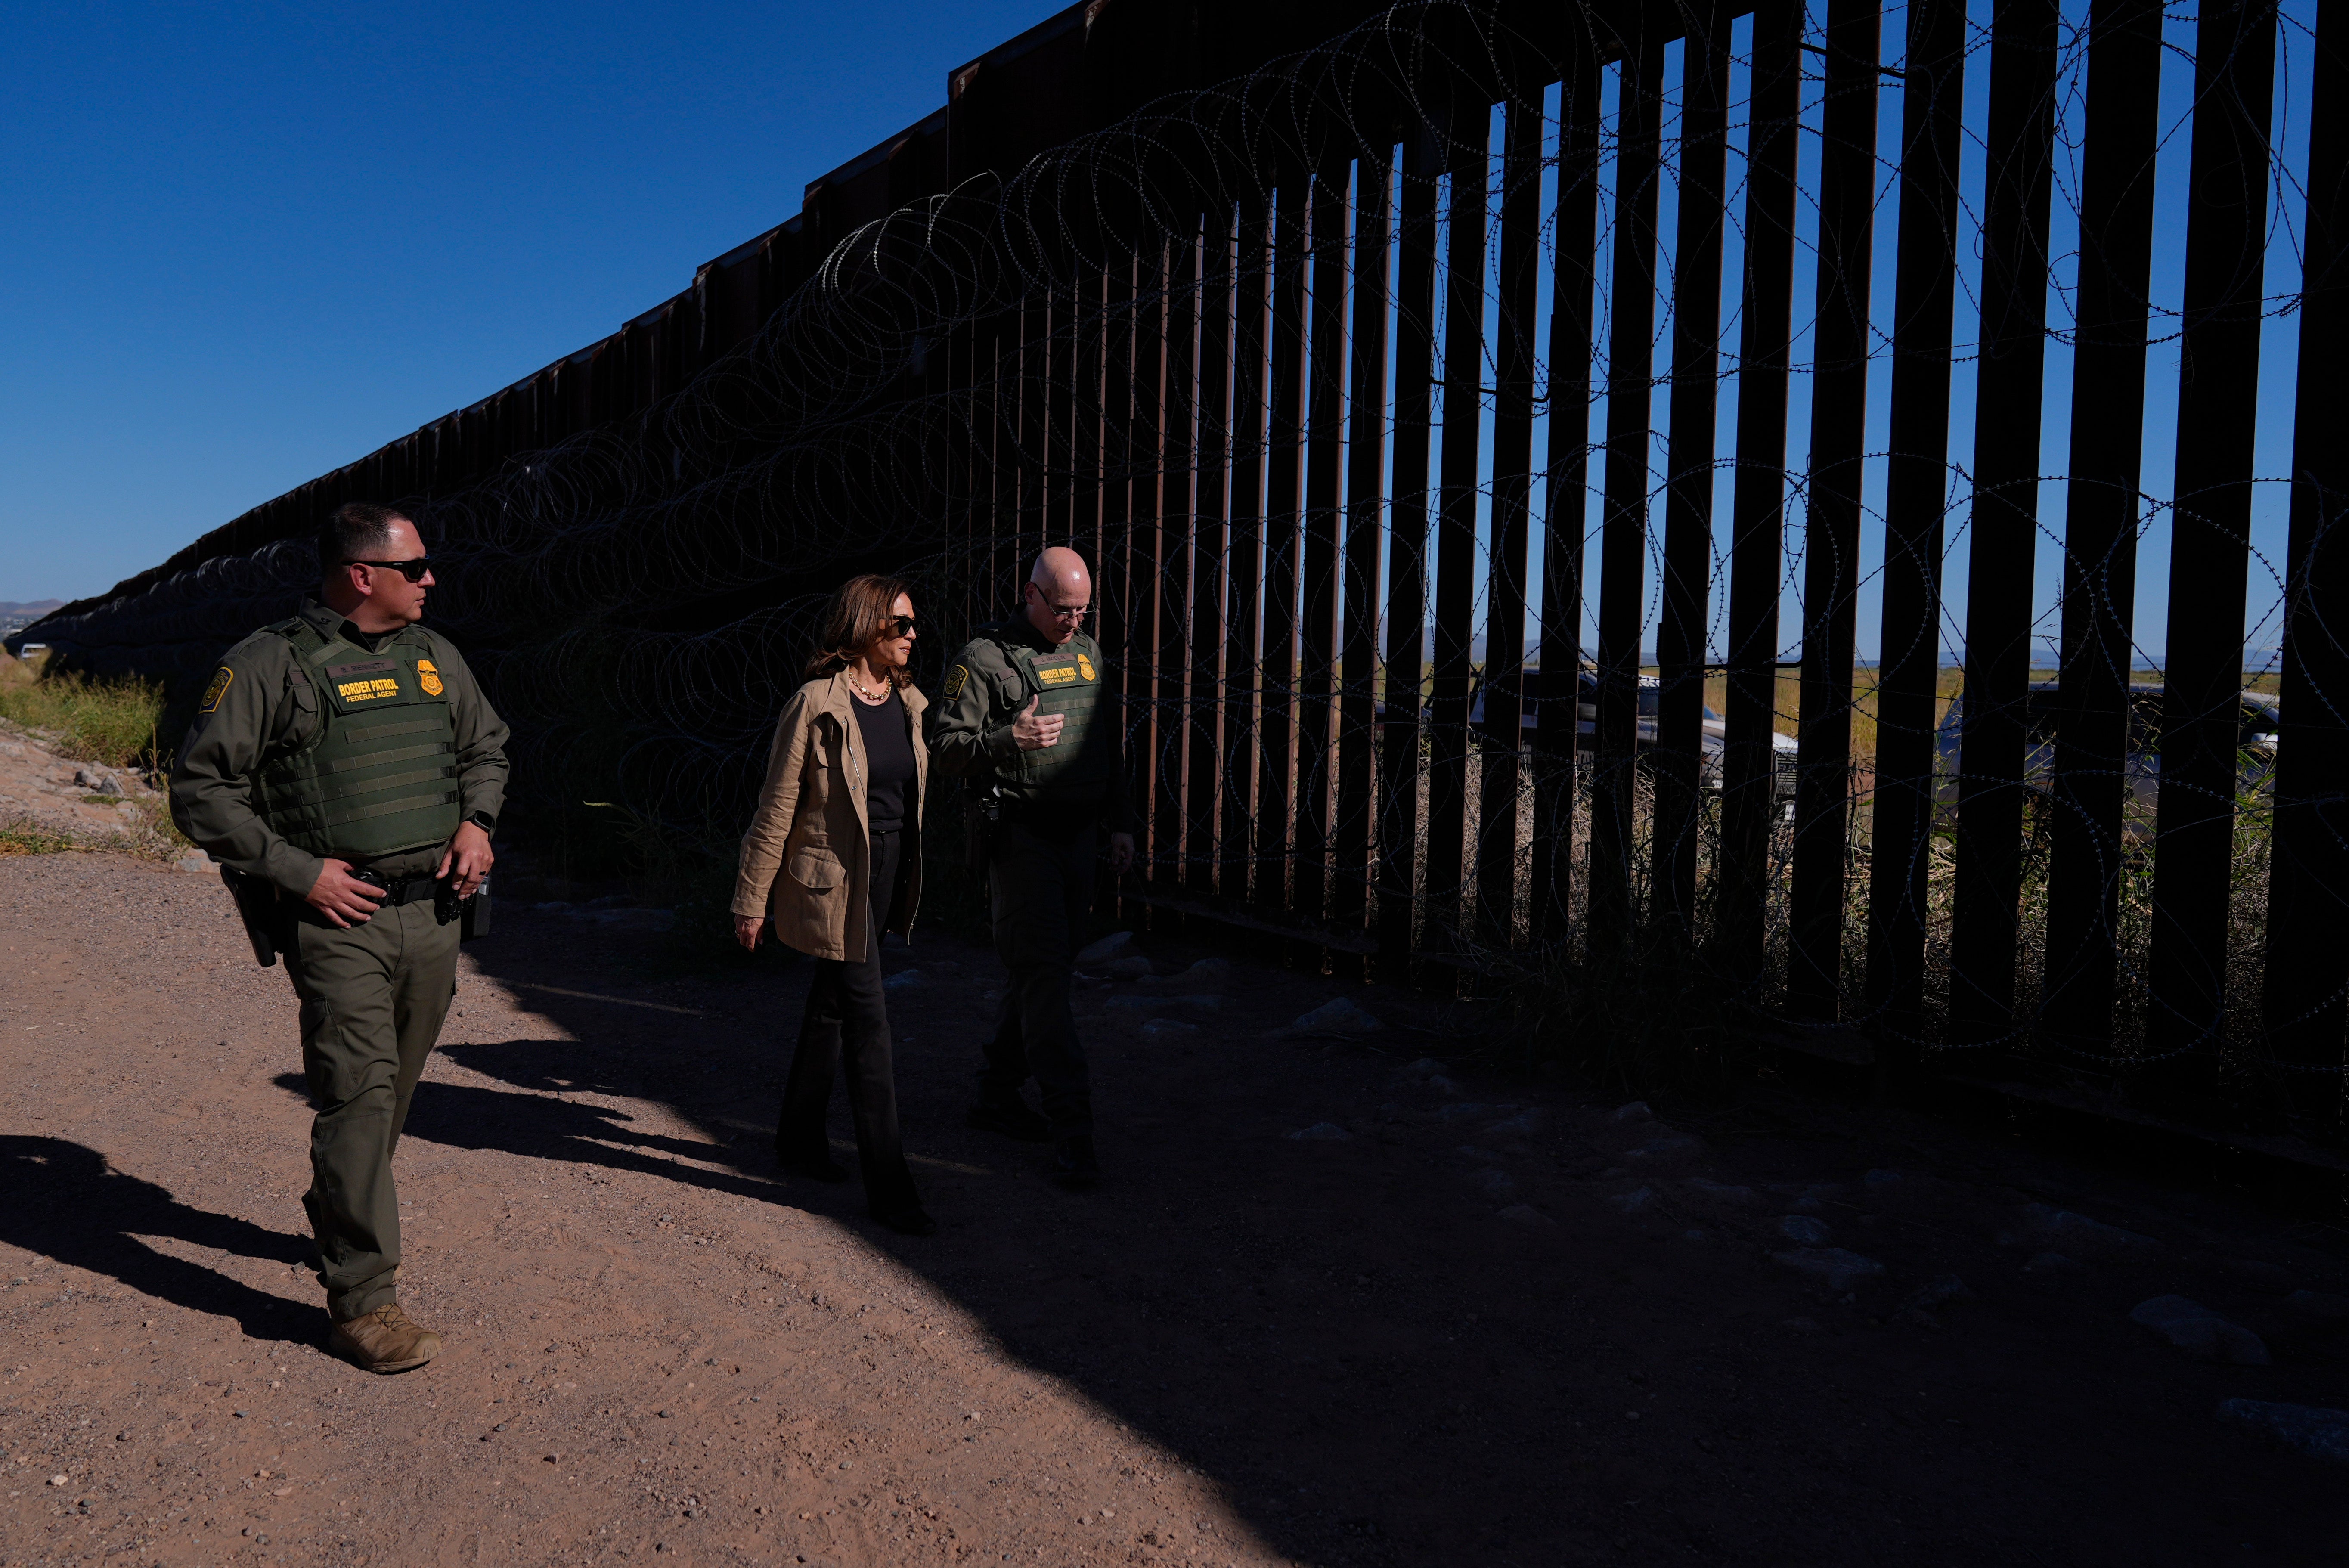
x=812 y=827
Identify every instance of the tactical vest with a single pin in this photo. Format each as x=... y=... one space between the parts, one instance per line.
x=1066 y=681
x=378 y=773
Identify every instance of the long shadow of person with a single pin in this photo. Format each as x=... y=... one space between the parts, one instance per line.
x=68 y=1204
x=542 y=1125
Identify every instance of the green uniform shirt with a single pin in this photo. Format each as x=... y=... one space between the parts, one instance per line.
x=970 y=724
x=256 y=714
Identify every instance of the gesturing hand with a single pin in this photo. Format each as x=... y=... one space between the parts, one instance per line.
x=341 y=897
x=749 y=929
x=1033 y=731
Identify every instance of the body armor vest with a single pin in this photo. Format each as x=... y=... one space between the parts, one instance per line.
x=1066 y=681
x=378 y=773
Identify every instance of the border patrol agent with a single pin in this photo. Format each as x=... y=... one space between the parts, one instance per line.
x=347 y=773
x=1026 y=713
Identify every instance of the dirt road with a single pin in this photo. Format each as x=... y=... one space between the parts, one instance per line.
x=1448 y=1327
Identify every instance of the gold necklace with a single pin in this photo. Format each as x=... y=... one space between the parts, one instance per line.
x=875 y=700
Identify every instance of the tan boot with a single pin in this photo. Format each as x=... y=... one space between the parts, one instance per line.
x=384 y=1340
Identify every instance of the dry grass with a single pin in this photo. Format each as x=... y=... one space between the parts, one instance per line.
x=1787 y=702
x=1656 y=1009
x=22 y=836
x=149 y=836
x=113 y=724
x=110 y=723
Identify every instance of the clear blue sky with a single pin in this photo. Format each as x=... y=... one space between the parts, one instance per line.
x=247 y=244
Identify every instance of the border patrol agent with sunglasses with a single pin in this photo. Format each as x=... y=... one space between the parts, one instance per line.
x=1026 y=713
x=347 y=773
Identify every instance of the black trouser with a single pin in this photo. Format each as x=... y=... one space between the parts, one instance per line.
x=848 y=1015
x=1039 y=878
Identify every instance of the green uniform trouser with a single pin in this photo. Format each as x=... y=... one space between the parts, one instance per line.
x=373 y=998
x=1040 y=878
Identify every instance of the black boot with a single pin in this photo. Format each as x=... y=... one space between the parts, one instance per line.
x=1009 y=1116
x=1074 y=1166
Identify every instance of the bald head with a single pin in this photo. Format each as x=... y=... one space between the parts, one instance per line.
x=1058 y=593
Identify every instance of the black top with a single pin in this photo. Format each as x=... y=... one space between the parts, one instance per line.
x=889 y=762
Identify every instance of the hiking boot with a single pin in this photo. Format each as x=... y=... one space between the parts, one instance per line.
x=1011 y=1117
x=384 y=1340
x=1074 y=1166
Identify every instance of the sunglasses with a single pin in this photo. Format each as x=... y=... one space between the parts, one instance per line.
x=898 y=627
x=413 y=570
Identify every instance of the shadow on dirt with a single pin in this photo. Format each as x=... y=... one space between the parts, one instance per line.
x=1236 y=1315
x=539 y=1127
x=1375 y=1363
x=66 y=1202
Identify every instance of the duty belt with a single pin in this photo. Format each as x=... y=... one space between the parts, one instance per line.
x=396 y=888
x=398 y=891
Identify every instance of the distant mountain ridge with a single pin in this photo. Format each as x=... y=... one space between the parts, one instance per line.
x=37 y=608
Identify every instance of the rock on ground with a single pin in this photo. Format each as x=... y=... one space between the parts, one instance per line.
x=1832 y=1266
x=2318 y=1433
x=1154 y=1004
x=1340 y=1015
x=2076 y=1235
x=1205 y=976
x=1116 y=944
x=1935 y=1292
x=2200 y=1332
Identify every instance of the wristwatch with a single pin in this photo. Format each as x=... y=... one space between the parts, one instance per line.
x=482 y=821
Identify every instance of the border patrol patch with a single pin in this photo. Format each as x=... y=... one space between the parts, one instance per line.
x=217 y=690
x=1084 y=667
x=428 y=678
x=957 y=678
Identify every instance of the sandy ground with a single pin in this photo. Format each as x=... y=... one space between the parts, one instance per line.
x=1447 y=1329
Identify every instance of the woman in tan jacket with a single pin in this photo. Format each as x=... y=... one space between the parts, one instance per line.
x=834 y=859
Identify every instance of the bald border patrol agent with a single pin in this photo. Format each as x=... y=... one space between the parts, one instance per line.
x=347 y=772
x=1027 y=714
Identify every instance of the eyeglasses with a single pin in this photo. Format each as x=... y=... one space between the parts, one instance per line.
x=413 y=569
x=898 y=627
x=1070 y=613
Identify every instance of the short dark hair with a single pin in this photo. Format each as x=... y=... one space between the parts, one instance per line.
x=356 y=532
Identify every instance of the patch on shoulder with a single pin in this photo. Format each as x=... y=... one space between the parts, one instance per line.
x=217 y=690
x=957 y=678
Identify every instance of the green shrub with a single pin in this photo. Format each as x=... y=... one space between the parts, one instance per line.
x=111 y=723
